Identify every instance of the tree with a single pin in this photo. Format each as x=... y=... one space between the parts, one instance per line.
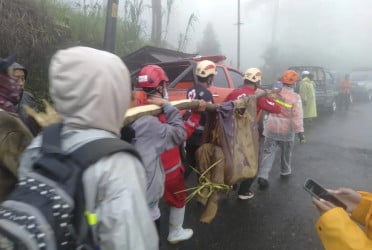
x=209 y=45
x=184 y=38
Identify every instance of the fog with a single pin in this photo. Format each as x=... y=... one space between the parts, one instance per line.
x=336 y=34
x=333 y=33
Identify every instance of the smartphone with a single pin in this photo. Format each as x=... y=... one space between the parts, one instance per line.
x=320 y=192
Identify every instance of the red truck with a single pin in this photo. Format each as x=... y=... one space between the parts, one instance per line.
x=182 y=76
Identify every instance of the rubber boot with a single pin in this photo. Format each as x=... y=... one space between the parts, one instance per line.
x=176 y=232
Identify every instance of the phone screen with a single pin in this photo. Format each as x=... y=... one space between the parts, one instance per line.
x=319 y=192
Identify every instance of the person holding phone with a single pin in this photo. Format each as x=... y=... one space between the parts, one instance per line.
x=338 y=228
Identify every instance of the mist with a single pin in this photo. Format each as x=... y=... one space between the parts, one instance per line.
x=328 y=33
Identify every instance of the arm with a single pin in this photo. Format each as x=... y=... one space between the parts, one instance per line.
x=268 y=104
x=304 y=92
x=124 y=221
x=297 y=117
x=337 y=231
x=363 y=212
x=174 y=130
x=191 y=123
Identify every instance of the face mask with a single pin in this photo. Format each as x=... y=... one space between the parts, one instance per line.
x=165 y=94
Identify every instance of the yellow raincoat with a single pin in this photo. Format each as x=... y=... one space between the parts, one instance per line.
x=307 y=93
x=338 y=231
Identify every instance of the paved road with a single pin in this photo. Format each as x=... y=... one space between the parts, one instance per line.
x=338 y=153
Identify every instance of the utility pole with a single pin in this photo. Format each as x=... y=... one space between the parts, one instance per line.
x=238 y=42
x=110 y=29
x=275 y=22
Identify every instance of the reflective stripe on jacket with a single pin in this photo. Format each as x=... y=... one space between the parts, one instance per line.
x=283 y=126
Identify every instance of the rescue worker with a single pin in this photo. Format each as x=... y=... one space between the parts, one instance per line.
x=340 y=229
x=151 y=138
x=20 y=74
x=174 y=191
x=344 y=94
x=280 y=130
x=252 y=78
x=307 y=93
x=205 y=72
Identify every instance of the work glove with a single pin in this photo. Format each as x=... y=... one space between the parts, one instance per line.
x=301 y=136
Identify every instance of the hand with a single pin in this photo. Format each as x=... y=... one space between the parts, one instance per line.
x=301 y=136
x=157 y=101
x=322 y=205
x=202 y=106
x=348 y=196
x=44 y=119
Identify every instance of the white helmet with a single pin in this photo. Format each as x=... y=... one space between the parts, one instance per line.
x=305 y=73
x=252 y=75
x=206 y=68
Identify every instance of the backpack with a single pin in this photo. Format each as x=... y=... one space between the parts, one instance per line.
x=46 y=209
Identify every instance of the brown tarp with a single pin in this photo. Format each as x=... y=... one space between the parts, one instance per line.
x=231 y=135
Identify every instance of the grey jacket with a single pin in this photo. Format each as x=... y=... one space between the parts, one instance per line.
x=115 y=190
x=153 y=138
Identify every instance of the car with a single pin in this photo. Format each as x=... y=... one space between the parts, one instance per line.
x=326 y=87
x=361 y=84
x=181 y=74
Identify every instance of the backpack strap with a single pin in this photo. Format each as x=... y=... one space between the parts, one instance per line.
x=87 y=154
x=51 y=143
x=92 y=151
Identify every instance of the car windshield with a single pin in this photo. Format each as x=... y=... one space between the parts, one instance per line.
x=361 y=75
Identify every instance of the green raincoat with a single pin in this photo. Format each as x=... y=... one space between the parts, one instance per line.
x=307 y=93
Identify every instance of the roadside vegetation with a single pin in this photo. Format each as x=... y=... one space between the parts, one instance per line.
x=35 y=29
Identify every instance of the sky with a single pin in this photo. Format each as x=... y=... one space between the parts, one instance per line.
x=331 y=33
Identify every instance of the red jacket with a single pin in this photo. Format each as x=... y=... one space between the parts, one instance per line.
x=171 y=158
x=265 y=103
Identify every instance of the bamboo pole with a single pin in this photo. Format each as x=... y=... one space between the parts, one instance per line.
x=151 y=109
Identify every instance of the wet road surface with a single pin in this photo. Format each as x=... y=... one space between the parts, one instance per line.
x=338 y=153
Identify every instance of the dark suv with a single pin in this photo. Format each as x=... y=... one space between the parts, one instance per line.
x=326 y=88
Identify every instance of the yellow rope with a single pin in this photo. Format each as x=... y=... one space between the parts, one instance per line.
x=204 y=182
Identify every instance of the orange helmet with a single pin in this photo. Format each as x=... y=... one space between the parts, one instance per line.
x=289 y=77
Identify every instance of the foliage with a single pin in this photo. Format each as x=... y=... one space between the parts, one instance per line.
x=209 y=44
x=184 y=38
x=130 y=29
x=35 y=29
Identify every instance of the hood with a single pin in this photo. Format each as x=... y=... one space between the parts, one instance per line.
x=9 y=93
x=90 y=88
x=18 y=66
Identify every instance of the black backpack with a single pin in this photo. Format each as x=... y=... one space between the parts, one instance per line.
x=47 y=208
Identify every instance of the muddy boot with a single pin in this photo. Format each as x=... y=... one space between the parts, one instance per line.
x=176 y=232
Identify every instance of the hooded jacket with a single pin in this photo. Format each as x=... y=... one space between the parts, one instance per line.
x=152 y=138
x=91 y=91
x=337 y=230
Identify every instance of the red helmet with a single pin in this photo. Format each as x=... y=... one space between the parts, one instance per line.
x=151 y=76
